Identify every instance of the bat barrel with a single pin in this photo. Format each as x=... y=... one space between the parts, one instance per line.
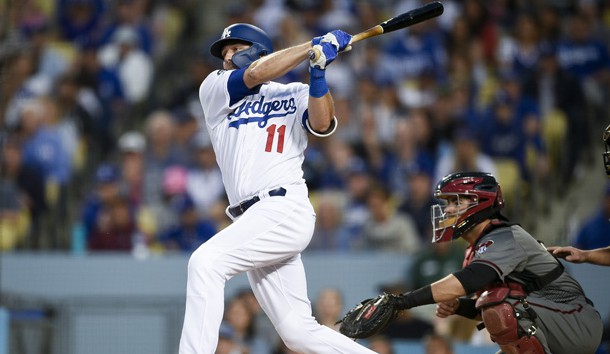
x=407 y=19
x=413 y=17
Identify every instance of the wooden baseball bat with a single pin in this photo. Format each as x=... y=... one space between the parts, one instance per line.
x=404 y=20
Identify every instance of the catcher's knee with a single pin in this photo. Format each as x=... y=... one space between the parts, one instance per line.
x=502 y=322
x=503 y=327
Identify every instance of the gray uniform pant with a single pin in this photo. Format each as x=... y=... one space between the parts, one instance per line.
x=565 y=328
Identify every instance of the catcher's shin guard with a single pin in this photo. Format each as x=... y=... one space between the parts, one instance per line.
x=525 y=345
x=501 y=320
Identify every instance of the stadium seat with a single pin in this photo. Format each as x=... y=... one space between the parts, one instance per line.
x=509 y=177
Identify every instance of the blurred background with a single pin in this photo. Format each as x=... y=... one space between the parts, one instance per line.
x=108 y=182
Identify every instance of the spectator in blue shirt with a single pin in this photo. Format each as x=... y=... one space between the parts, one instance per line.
x=42 y=146
x=191 y=230
x=78 y=20
x=581 y=53
x=595 y=232
x=104 y=85
x=413 y=53
x=107 y=190
x=130 y=13
x=512 y=129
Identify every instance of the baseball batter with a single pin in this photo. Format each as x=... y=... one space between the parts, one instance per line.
x=259 y=130
x=526 y=300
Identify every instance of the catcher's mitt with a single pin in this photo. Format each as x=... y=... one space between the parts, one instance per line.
x=371 y=316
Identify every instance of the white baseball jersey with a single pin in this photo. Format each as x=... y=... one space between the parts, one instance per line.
x=249 y=129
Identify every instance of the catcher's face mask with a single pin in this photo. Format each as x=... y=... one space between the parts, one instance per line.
x=451 y=210
x=606 y=154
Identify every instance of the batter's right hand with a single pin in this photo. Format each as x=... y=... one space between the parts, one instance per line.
x=446 y=309
x=339 y=39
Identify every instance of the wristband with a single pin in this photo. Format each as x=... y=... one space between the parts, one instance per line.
x=467 y=308
x=419 y=297
x=317 y=82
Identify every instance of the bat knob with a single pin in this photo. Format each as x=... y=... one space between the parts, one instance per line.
x=312 y=54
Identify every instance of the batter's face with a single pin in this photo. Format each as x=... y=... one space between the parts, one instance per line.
x=228 y=51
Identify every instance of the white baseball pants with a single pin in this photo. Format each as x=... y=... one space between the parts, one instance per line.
x=265 y=242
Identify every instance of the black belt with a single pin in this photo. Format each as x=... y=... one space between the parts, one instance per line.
x=245 y=205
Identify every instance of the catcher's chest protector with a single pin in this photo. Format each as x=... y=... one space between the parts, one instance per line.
x=501 y=319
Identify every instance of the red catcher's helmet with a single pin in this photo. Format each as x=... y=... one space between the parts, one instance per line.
x=484 y=201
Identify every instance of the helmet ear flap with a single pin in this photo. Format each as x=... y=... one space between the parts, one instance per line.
x=244 y=58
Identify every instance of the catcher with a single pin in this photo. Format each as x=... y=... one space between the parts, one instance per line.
x=509 y=281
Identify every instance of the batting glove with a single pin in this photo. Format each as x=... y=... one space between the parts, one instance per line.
x=339 y=39
x=328 y=53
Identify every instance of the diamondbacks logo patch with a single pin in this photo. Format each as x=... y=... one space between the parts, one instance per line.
x=369 y=312
x=483 y=246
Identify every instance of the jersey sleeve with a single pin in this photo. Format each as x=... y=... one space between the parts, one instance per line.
x=500 y=251
x=328 y=132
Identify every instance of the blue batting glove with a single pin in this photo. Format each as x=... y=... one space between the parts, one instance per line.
x=339 y=39
x=328 y=53
x=316 y=40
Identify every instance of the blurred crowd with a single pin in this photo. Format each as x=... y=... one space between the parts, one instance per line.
x=102 y=146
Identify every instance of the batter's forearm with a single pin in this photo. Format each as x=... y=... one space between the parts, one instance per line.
x=276 y=64
x=321 y=112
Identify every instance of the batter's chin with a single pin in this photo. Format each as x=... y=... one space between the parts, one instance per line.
x=228 y=65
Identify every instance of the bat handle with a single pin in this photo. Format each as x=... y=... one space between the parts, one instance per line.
x=314 y=54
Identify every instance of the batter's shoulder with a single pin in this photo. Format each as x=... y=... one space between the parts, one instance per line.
x=216 y=74
x=297 y=86
x=212 y=79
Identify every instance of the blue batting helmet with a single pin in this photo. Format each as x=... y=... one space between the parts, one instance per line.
x=260 y=41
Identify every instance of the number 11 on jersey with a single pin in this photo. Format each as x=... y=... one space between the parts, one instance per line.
x=271 y=130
